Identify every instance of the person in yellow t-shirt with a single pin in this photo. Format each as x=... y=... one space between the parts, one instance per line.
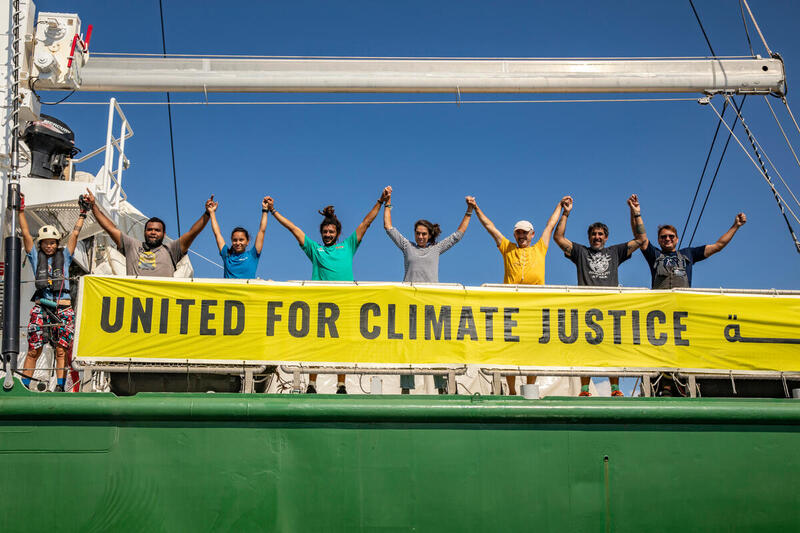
x=523 y=263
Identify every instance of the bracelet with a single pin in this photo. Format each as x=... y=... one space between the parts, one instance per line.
x=468 y=214
x=264 y=210
x=82 y=215
x=387 y=206
x=271 y=210
x=639 y=215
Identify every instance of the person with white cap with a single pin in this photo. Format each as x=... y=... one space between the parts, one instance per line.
x=50 y=266
x=523 y=262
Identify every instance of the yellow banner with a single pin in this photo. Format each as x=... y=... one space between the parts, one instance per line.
x=395 y=324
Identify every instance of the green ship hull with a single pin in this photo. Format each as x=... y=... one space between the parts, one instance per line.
x=202 y=462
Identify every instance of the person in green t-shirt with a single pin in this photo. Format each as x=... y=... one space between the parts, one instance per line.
x=331 y=260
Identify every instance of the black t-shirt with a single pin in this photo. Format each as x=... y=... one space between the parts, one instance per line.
x=598 y=268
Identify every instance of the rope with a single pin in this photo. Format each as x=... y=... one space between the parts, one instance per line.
x=757 y=28
x=788 y=142
x=716 y=172
x=169 y=117
x=789 y=109
x=778 y=197
x=703 y=173
x=201 y=256
x=406 y=102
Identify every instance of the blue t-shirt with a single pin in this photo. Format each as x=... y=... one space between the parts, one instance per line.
x=331 y=263
x=672 y=269
x=241 y=266
x=58 y=289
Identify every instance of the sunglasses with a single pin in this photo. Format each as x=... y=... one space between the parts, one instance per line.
x=667 y=236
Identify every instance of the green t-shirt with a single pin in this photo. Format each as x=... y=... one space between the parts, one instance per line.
x=331 y=263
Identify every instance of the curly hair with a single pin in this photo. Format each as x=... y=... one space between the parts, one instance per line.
x=330 y=219
x=597 y=225
x=433 y=229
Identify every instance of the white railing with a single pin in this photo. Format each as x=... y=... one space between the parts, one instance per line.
x=109 y=179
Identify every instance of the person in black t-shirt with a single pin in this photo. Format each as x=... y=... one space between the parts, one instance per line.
x=597 y=265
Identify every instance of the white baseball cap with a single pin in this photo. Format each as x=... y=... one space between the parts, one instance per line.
x=523 y=225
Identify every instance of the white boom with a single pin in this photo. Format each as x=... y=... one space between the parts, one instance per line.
x=143 y=74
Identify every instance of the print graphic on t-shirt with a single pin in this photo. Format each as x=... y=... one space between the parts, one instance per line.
x=671 y=264
x=599 y=265
x=147 y=260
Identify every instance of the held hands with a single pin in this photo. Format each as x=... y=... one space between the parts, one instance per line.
x=386 y=195
x=740 y=220
x=89 y=199
x=269 y=202
x=211 y=205
x=566 y=204
x=470 y=203
x=265 y=203
x=633 y=203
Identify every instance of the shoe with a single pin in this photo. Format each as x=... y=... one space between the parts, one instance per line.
x=585 y=393
x=59 y=388
x=405 y=391
x=341 y=389
x=311 y=389
x=616 y=393
x=442 y=391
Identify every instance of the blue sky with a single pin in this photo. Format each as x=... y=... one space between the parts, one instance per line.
x=518 y=160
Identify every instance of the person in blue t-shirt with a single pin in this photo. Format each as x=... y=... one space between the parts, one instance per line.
x=331 y=260
x=671 y=267
x=50 y=266
x=238 y=261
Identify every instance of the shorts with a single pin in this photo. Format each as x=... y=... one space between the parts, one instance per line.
x=63 y=332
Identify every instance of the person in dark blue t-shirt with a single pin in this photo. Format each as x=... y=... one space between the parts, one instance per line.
x=671 y=267
x=238 y=261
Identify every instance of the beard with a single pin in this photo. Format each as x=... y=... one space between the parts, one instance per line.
x=150 y=244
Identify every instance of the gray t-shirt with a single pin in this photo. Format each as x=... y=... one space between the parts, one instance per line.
x=422 y=264
x=598 y=268
x=158 y=262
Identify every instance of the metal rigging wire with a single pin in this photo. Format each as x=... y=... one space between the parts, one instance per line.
x=169 y=117
x=746 y=31
x=703 y=173
x=778 y=198
x=719 y=163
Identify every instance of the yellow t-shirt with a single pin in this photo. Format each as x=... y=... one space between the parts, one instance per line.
x=523 y=266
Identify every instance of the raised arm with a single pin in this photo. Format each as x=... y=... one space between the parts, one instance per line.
x=738 y=222
x=104 y=221
x=387 y=210
x=637 y=225
x=551 y=222
x=465 y=221
x=639 y=233
x=188 y=238
x=212 y=211
x=285 y=222
x=488 y=224
x=364 y=226
x=27 y=238
x=562 y=242
x=72 y=240
x=262 y=227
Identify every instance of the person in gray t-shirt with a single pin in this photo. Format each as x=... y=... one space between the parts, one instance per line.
x=151 y=257
x=421 y=260
x=598 y=264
